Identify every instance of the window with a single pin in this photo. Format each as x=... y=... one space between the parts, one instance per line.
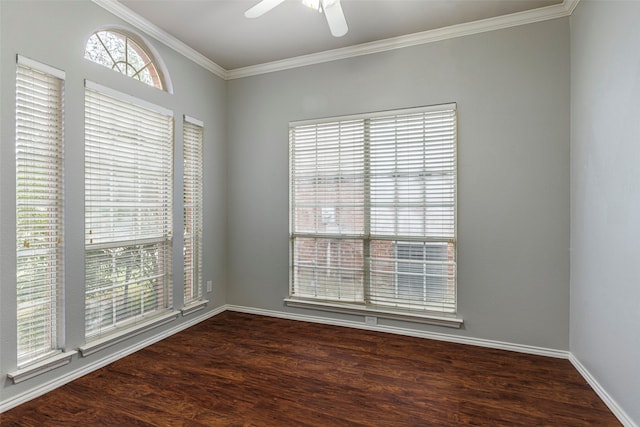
x=39 y=208
x=128 y=210
x=118 y=51
x=415 y=277
x=373 y=210
x=192 y=143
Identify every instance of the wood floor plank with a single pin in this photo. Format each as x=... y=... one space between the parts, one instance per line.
x=246 y=370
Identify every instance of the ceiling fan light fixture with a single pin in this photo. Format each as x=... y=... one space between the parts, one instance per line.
x=331 y=8
x=318 y=5
x=313 y=4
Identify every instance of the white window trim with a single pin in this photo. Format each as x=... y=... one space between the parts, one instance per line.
x=439 y=319
x=193 y=307
x=28 y=62
x=138 y=324
x=40 y=363
x=372 y=115
x=54 y=361
x=127 y=98
x=137 y=328
x=194 y=304
x=453 y=320
x=193 y=121
x=154 y=57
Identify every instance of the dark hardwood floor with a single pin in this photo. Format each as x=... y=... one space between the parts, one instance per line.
x=245 y=370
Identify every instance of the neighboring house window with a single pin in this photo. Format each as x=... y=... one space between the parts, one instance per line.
x=373 y=209
x=39 y=209
x=418 y=268
x=118 y=51
x=193 y=134
x=128 y=210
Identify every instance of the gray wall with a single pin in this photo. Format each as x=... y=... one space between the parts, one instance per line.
x=605 y=196
x=512 y=90
x=54 y=33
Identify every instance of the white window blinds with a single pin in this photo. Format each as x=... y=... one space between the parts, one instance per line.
x=128 y=210
x=327 y=209
x=193 y=134
x=412 y=210
x=373 y=209
x=39 y=208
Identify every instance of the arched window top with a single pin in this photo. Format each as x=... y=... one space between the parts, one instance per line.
x=126 y=54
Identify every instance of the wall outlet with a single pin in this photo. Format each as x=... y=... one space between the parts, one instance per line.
x=371 y=320
x=209 y=286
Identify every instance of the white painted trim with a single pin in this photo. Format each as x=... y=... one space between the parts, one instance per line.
x=121 y=96
x=142 y=24
x=602 y=393
x=426 y=318
x=125 y=334
x=73 y=375
x=138 y=37
x=47 y=69
x=541 y=351
x=570 y=5
x=370 y=115
x=454 y=31
x=193 y=121
x=49 y=364
x=566 y=8
x=500 y=345
x=193 y=307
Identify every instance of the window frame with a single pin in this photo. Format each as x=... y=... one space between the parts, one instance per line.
x=146 y=237
x=31 y=150
x=152 y=63
x=447 y=316
x=193 y=213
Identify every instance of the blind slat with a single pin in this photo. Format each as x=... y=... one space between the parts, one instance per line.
x=385 y=177
x=193 y=140
x=39 y=211
x=128 y=210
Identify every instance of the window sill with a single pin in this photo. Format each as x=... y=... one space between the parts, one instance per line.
x=52 y=362
x=193 y=307
x=438 y=319
x=121 y=335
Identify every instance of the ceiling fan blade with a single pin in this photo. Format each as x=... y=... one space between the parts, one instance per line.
x=335 y=19
x=261 y=8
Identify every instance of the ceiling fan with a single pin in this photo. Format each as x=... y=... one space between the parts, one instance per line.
x=331 y=8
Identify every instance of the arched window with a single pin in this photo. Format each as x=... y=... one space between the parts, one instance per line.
x=119 y=51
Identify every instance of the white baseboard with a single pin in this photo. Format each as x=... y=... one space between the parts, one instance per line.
x=520 y=348
x=602 y=393
x=540 y=351
x=14 y=401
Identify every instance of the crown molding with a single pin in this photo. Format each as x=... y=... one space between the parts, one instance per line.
x=563 y=9
x=454 y=31
x=570 y=5
x=142 y=24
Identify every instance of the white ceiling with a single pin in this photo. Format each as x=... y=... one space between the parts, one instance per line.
x=218 y=29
